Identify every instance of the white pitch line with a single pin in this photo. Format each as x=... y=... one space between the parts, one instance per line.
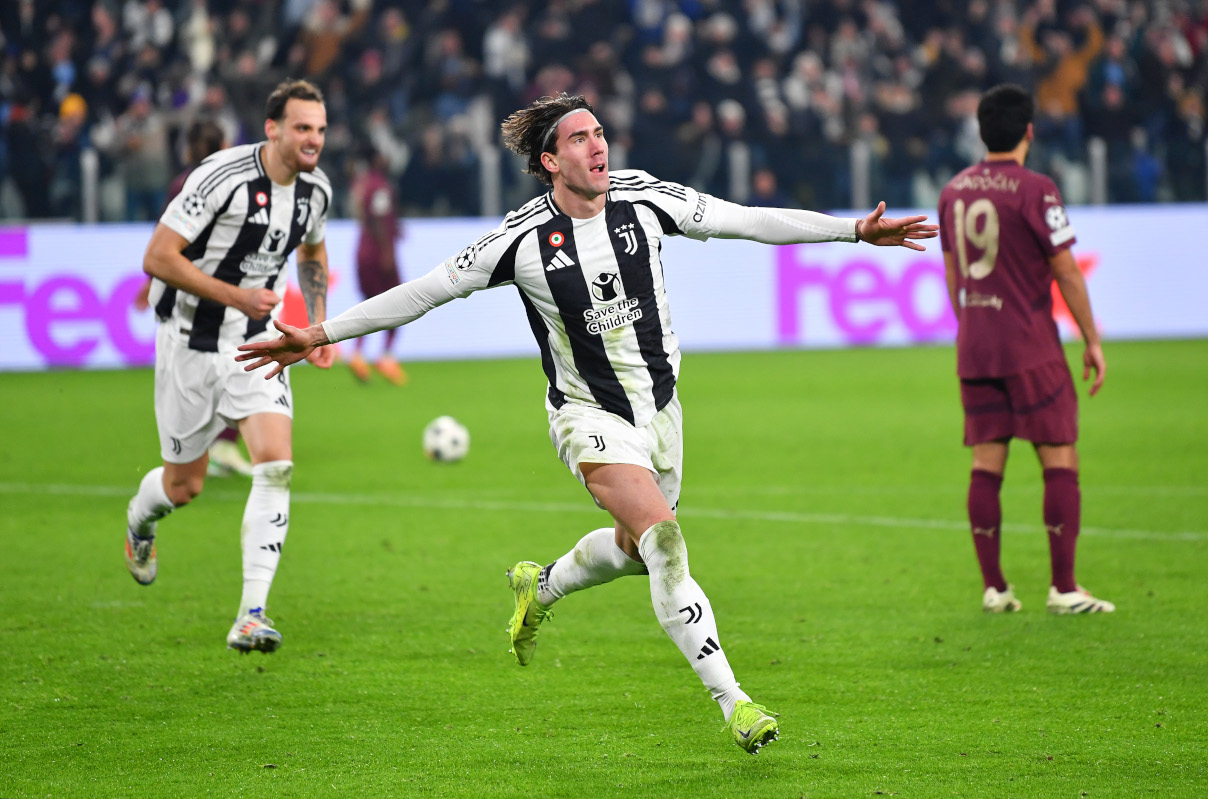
x=895 y=490
x=509 y=506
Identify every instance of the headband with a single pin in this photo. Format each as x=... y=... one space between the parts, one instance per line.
x=554 y=127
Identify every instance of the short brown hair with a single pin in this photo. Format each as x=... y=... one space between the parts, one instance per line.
x=203 y=138
x=527 y=132
x=290 y=89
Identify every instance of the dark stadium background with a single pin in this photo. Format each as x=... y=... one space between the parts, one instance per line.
x=777 y=102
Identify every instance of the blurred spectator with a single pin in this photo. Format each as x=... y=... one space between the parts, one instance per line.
x=1062 y=66
x=29 y=166
x=142 y=145
x=1185 y=152
x=70 y=137
x=800 y=81
x=765 y=193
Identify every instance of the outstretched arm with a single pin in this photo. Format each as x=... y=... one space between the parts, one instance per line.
x=792 y=226
x=294 y=345
x=876 y=229
x=394 y=308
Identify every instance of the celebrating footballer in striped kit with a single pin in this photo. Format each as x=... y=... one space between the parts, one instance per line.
x=585 y=258
x=218 y=258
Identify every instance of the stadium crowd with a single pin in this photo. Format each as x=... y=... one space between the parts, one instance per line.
x=704 y=92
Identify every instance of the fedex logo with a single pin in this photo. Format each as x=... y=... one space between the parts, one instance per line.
x=860 y=301
x=65 y=316
x=67 y=319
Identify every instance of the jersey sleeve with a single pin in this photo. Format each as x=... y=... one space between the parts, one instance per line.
x=318 y=227
x=488 y=262
x=1046 y=216
x=683 y=210
x=198 y=203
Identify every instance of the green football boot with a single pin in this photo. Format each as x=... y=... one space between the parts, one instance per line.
x=529 y=613
x=753 y=726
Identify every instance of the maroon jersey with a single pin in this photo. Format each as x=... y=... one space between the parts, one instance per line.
x=379 y=228
x=178 y=183
x=1001 y=223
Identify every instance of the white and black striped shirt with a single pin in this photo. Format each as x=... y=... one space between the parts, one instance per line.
x=593 y=290
x=241 y=228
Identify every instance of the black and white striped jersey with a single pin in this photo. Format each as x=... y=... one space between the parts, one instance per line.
x=241 y=228
x=593 y=289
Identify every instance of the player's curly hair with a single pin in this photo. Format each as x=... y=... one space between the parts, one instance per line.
x=1003 y=115
x=528 y=132
x=289 y=89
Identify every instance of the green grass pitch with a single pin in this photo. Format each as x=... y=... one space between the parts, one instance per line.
x=824 y=511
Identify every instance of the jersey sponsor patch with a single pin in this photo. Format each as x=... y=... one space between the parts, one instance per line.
x=604 y=287
x=610 y=317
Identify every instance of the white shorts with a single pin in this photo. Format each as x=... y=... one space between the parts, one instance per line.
x=583 y=434
x=198 y=394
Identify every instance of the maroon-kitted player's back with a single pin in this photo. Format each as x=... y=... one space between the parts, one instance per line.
x=1001 y=223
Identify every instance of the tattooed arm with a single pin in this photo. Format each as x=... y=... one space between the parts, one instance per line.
x=312 y=279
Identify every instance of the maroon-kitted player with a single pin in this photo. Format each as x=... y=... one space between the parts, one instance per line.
x=1006 y=237
x=377 y=263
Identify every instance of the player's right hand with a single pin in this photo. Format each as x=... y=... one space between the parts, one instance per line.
x=258 y=303
x=294 y=345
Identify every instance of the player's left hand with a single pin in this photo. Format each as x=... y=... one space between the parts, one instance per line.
x=323 y=357
x=895 y=232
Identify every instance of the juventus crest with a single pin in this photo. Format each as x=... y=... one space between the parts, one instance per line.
x=628 y=236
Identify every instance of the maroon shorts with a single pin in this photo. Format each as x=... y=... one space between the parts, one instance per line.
x=1038 y=405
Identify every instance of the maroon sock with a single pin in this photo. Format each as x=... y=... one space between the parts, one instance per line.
x=1062 y=515
x=985 y=519
x=229 y=434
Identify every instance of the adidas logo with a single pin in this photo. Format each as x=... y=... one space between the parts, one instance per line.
x=559 y=260
x=259 y=218
x=282 y=401
x=709 y=648
x=272 y=547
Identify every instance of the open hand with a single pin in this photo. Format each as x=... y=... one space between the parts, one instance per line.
x=895 y=232
x=294 y=345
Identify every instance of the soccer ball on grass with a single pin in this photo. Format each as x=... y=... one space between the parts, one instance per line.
x=446 y=439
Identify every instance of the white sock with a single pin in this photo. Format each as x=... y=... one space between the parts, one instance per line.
x=683 y=609
x=149 y=505
x=265 y=523
x=595 y=560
